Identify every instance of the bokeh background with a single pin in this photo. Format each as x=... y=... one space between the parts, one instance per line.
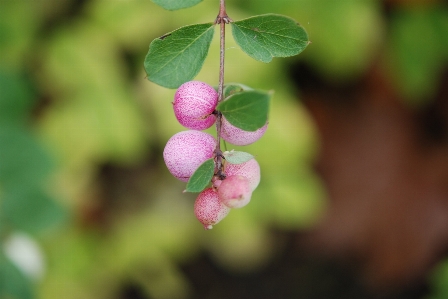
x=352 y=202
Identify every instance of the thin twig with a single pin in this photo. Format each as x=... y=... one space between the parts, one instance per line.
x=222 y=19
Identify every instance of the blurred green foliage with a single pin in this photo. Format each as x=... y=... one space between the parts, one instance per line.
x=344 y=34
x=13 y=283
x=74 y=103
x=418 y=50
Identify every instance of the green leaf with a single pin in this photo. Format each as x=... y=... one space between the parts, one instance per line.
x=177 y=57
x=417 y=68
x=13 y=283
x=235 y=157
x=201 y=177
x=16 y=100
x=247 y=110
x=266 y=36
x=176 y=4
x=23 y=161
x=232 y=88
x=31 y=210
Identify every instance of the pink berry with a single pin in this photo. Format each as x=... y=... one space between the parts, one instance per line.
x=208 y=208
x=237 y=136
x=235 y=191
x=249 y=170
x=194 y=103
x=186 y=151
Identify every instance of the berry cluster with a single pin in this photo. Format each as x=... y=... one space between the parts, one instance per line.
x=232 y=182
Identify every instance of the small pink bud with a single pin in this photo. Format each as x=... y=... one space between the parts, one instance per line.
x=237 y=136
x=249 y=170
x=208 y=209
x=186 y=151
x=235 y=191
x=194 y=103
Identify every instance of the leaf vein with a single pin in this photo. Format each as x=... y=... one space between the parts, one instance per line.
x=181 y=52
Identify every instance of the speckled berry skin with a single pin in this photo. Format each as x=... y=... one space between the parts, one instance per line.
x=208 y=209
x=249 y=170
x=186 y=151
x=235 y=191
x=194 y=103
x=236 y=136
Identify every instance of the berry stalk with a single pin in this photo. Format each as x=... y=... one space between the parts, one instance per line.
x=222 y=19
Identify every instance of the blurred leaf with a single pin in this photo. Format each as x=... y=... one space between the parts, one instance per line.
x=93 y=120
x=177 y=57
x=176 y=4
x=235 y=157
x=23 y=162
x=241 y=244
x=201 y=177
x=127 y=22
x=15 y=98
x=30 y=209
x=438 y=279
x=19 y=23
x=417 y=63
x=246 y=110
x=266 y=36
x=342 y=47
x=13 y=283
x=299 y=200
